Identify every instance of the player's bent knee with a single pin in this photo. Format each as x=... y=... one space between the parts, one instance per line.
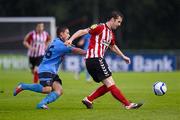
x=47 y=90
x=35 y=70
x=57 y=88
x=59 y=92
x=108 y=82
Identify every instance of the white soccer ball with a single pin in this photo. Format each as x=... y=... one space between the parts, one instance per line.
x=159 y=88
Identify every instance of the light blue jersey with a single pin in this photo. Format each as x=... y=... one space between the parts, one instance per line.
x=54 y=56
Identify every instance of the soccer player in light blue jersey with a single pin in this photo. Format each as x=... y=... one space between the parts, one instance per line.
x=50 y=83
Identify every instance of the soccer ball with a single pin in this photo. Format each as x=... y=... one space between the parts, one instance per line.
x=159 y=88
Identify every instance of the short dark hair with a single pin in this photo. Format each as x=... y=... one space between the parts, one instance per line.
x=60 y=29
x=115 y=15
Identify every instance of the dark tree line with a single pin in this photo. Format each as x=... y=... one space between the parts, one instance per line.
x=148 y=24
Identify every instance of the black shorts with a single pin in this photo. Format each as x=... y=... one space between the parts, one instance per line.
x=51 y=78
x=35 y=61
x=98 y=69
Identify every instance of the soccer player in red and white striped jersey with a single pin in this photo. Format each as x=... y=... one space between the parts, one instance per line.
x=36 y=42
x=102 y=38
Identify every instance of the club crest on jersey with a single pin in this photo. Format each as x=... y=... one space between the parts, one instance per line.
x=93 y=26
x=106 y=43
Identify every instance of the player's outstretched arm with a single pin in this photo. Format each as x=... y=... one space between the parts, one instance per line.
x=115 y=49
x=78 y=51
x=77 y=34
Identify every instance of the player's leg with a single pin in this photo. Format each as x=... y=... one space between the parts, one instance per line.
x=115 y=91
x=37 y=61
x=32 y=65
x=31 y=87
x=100 y=91
x=100 y=73
x=105 y=76
x=35 y=75
x=88 y=101
x=109 y=85
x=94 y=69
x=52 y=96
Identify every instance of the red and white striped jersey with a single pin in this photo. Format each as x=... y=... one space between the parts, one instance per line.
x=101 y=38
x=37 y=42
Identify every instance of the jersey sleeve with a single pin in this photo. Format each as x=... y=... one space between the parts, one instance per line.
x=67 y=49
x=29 y=37
x=96 y=29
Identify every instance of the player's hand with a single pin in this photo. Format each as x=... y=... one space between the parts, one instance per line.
x=68 y=42
x=127 y=59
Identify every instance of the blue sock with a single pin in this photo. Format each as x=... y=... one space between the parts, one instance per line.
x=32 y=87
x=51 y=97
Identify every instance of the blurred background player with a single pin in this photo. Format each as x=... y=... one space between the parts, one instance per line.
x=102 y=38
x=83 y=43
x=50 y=83
x=36 y=42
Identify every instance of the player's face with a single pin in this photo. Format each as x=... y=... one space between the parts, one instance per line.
x=65 y=35
x=116 y=23
x=40 y=27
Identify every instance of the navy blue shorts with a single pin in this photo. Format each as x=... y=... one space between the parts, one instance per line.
x=51 y=78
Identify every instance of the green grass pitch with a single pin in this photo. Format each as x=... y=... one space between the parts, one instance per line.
x=135 y=86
